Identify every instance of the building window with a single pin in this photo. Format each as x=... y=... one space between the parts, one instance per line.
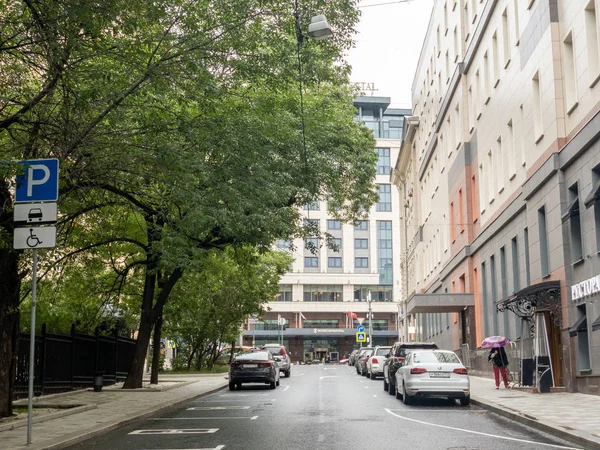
x=385 y=197
x=337 y=243
x=383 y=161
x=510 y=143
x=526 y=245
x=595 y=198
x=361 y=262
x=503 y=281
x=361 y=243
x=575 y=224
x=334 y=261
x=321 y=323
x=515 y=264
x=484 y=301
x=474 y=212
x=591 y=28
x=362 y=225
x=543 y=230
x=379 y=293
x=322 y=293
x=311 y=244
x=452 y=223
x=334 y=225
x=312 y=206
x=505 y=38
x=311 y=261
x=494 y=289
x=570 y=75
x=384 y=251
x=580 y=329
x=538 y=126
x=312 y=225
x=461 y=223
x=283 y=243
x=284 y=294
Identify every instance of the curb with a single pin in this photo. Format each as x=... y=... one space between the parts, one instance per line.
x=55 y=415
x=552 y=428
x=67 y=441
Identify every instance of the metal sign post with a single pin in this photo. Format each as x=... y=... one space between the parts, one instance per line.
x=32 y=347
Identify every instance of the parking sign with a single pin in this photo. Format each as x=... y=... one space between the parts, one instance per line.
x=39 y=182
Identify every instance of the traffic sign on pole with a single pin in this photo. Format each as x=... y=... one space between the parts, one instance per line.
x=360 y=328
x=361 y=337
x=35 y=213
x=34 y=238
x=39 y=182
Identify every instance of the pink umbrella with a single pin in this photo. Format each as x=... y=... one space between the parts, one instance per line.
x=495 y=341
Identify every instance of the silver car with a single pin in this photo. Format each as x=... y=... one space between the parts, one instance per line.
x=375 y=362
x=282 y=356
x=433 y=373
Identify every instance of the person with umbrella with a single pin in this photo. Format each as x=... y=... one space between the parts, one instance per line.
x=498 y=357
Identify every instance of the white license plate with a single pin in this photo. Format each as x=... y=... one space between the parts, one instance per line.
x=439 y=375
x=250 y=366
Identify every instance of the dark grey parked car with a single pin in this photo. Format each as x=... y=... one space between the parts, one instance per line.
x=282 y=356
x=360 y=364
x=395 y=360
x=254 y=367
x=352 y=357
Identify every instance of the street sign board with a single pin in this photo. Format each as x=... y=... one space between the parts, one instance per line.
x=35 y=213
x=360 y=328
x=35 y=237
x=252 y=320
x=39 y=182
x=361 y=337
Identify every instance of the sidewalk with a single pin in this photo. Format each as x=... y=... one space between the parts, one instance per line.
x=570 y=416
x=574 y=417
x=99 y=412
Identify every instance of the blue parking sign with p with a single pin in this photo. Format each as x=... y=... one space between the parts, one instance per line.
x=39 y=182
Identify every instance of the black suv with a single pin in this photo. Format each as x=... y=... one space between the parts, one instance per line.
x=395 y=359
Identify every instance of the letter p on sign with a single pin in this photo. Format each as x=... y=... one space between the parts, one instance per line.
x=39 y=182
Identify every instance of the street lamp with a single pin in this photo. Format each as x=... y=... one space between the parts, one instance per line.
x=319 y=28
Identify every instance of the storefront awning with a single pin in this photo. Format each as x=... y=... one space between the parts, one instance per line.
x=439 y=303
x=533 y=298
x=580 y=325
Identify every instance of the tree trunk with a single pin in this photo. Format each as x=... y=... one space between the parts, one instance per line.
x=156 y=351
x=147 y=319
x=10 y=284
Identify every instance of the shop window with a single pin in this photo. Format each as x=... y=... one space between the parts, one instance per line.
x=574 y=217
x=580 y=330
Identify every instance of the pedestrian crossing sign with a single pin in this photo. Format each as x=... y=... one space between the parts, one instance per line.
x=361 y=337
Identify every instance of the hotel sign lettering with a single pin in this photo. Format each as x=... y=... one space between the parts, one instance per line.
x=585 y=288
x=327 y=330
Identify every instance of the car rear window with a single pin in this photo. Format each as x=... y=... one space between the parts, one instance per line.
x=254 y=356
x=383 y=351
x=275 y=350
x=435 y=357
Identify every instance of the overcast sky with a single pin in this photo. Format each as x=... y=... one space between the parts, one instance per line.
x=388 y=45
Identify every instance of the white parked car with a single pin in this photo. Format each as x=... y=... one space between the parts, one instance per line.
x=375 y=362
x=433 y=373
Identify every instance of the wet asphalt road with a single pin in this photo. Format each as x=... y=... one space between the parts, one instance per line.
x=322 y=407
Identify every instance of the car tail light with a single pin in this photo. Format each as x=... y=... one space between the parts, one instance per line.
x=283 y=353
x=374 y=360
x=235 y=364
x=265 y=364
x=399 y=360
x=461 y=371
x=367 y=359
x=416 y=370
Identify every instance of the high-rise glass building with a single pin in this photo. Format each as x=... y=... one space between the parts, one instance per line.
x=325 y=295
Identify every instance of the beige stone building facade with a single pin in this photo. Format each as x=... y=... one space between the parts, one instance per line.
x=499 y=183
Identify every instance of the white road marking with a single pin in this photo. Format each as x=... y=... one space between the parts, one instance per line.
x=374 y=395
x=177 y=431
x=210 y=408
x=286 y=388
x=479 y=432
x=246 y=400
x=298 y=374
x=242 y=395
x=330 y=368
x=218 y=447
x=202 y=418
x=453 y=411
x=329 y=376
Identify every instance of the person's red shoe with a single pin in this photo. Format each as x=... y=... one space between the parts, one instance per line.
x=497 y=387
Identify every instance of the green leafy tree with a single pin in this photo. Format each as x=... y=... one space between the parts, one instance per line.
x=178 y=128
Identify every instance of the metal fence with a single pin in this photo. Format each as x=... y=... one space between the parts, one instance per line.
x=67 y=362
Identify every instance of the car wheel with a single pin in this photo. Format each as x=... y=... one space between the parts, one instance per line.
x=357 y=371
x=368 y=374
x=398 y=394
x=277 y=383
x=272 y=385
x=391 y=388
x=373 y=376
x=385 y=385
x=287 y=373
x=231 y=386
x=465 y=401
x=405 y=397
